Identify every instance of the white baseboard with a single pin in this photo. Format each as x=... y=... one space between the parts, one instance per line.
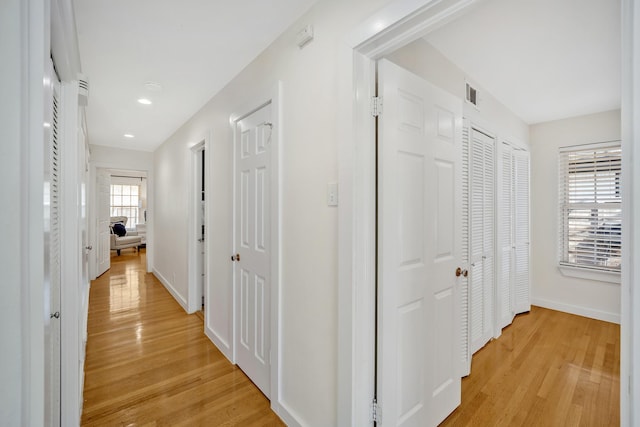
x=290 y=418
x=578 y=310
x=220 y=344
x=171 y=289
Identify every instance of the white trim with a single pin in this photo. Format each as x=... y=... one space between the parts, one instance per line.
x=167 y=284
x=33 y=35
x=216 y=338
x=272 y=96
x=630 y=291
x=289 y=416
x=93 y=207
x=590 y=273
x=397 y=24
x=193 y=292
x=577 y=310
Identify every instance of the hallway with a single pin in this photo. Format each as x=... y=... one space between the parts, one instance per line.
x=149 y=363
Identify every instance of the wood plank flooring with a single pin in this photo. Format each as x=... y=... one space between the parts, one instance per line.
x=148 y=363
x=547 y=369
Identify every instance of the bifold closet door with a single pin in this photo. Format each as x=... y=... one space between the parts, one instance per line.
x=522 y=294
x=505 y=304
x=482 y=237
x=513 y=295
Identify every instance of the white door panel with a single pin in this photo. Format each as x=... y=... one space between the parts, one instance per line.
x=419 y=250
x=252 y=271
x=522 y=297
x=104 y=234
x=505 y=238
x=482 y=236
x=52 y=249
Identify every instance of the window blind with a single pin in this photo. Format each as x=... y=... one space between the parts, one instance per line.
x=590 y=206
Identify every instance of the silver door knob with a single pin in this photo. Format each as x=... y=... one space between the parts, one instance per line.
x=235 y=257
x=89 y=247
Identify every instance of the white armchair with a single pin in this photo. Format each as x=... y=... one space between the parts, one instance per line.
x=129 y=240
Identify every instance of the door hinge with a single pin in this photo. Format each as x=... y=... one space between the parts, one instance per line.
x=376 y=106
x=376 y=411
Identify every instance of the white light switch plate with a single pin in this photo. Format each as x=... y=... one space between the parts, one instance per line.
x=332 y=194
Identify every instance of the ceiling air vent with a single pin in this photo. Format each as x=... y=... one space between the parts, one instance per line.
x=83 y=90
x=472 y=95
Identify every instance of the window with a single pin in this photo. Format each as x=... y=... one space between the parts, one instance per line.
x=125 y=202
x=590 y=206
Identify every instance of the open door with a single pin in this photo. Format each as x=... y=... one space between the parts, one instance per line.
x=104 y=238
x=419 y=250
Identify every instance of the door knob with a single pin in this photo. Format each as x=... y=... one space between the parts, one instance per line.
x=89 y=247
x=461 y=272
x=235 y=257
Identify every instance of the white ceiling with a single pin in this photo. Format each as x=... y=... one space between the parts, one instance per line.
x=543 y=59
x=192 y=48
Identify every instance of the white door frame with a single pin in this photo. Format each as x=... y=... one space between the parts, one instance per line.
x=394 y=26
x=195 y=291
x=93 y=207
x=630 y=283
x=274 y=97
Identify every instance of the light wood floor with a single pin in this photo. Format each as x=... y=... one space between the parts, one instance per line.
x=547 y=369
x=148 y=363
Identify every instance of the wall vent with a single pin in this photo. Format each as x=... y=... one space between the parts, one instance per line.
x=472 y=95
x=83 y=90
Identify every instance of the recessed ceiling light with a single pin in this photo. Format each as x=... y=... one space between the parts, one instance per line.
x=153 y=86
x=128 y=135
x=144 y=101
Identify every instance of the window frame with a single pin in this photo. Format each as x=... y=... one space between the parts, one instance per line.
x=131 y=225
x=607 y=215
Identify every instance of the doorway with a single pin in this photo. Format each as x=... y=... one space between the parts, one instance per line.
x=198 y=231
x=382 y=33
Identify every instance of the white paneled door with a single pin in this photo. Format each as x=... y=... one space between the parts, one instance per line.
x=419 y=248
x=253 y=246
x=104 y=239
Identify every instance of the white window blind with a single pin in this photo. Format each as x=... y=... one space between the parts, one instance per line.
x=590 y=206
x=125 y=201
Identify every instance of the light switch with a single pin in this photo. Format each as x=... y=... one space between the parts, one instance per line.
x=332 y=194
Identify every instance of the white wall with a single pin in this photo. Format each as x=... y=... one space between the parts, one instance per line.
x=121 y=159
x=423 y=59
x=118 y=158
x=11 y=323
x=309 y=226
x=549 y=287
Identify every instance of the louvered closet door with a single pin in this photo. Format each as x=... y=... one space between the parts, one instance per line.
x=522 y=297
x=52 y=249
x=505 y=311
x=482 y=235
x=465 y=355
